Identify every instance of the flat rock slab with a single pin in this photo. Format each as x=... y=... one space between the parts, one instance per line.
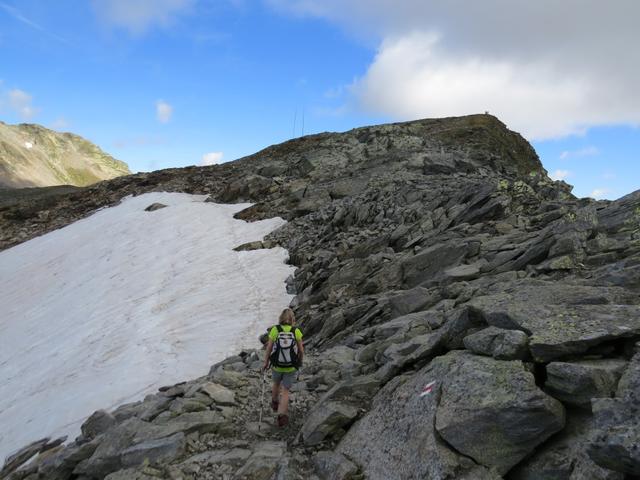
x=493 y=411
x=155 y=451
x=557 y=331
x=576 y=383
x=220 y=394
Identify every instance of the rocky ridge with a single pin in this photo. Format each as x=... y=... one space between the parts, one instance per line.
x=466 y=318
x=34 y=156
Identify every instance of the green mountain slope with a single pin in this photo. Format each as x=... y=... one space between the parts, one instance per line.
x=34 y=156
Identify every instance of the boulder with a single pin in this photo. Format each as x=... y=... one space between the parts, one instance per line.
x=616 y=440
x=493 y=412
x=60 y=465
x=498 y=343
x=333 y=466
x=556 y=331
x=16 y=459
x=155 y=451
x=564 y=456
x=577 y=382
x=221 y=395
x=429 y=265
x=397 y=438
x=326 y=420
x=263 y=462
x=155 y=206
x=99 y=422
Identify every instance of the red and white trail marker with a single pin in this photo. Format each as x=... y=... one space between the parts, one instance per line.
x=428 y=388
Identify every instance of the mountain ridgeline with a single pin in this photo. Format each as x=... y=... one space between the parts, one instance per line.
x=466 y=317
x=34 y=156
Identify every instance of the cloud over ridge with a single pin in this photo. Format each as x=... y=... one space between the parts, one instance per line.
x=548 y=69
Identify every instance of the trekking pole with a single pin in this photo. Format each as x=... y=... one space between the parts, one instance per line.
x=261 y=403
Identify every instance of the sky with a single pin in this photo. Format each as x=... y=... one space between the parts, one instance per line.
x=166 y=83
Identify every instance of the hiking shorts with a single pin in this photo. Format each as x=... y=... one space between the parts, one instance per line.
x=284 y=378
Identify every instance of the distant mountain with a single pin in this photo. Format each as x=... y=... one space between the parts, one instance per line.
x=34 y=156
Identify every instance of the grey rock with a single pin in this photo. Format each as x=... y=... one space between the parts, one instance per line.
x=99 y=422
x=629 y=385
x=184 y=405
x=60 y=465
x=564 y=457
x=616 y=440
x=221 y=395
x=155 y=206
x=493 y=411
x=263 y=463
x=155 y=451
x=234 y=456
x=16 y=459
x=560 y=330
x=428 y=266
x=576 y=383
x=498 y=343
x=326 y=420
x=396 y=439
x=333 y=466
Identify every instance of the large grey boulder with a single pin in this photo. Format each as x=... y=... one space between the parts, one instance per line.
x=155 y=451
x=615 y=443
x=263 y=462
x=220 y=394
x=493 y=411
x=19 y=457
x=557 y=331
x=397 y=438
x=99 y=422
x=577 y=382
x=564 y=457
x=326 y=420
x=498 y=343
x=333 y=466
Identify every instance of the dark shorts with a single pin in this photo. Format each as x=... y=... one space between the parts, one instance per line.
x=284 y=378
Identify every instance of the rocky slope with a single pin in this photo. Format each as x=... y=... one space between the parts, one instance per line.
x=467 y=318
x=33 y=156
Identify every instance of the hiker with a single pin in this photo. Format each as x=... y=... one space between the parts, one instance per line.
x=285 y=360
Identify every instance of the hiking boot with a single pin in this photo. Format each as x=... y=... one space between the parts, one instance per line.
x=283 y=420
x=274 y=405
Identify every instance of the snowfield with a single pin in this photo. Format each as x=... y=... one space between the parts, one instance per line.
x=108 y=309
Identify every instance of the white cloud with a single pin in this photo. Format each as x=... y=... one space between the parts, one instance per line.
x=547 y=68
x=609 y=176
x=21 y=103
x=584 y=152
x=560 y=174
x=599 y=193
x=164 y=111
x=138 y=16
x=211 y=158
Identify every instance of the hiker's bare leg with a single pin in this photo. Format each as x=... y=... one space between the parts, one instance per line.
x=275 y=392
x=283 y=407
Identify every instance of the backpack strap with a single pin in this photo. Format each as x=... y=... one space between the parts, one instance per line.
x=279 y=328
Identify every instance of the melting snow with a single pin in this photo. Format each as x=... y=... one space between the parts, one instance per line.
x=113 y=306
x=28 y=145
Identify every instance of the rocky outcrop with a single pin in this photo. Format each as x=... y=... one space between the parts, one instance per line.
x=466 y=318
x=33 y=156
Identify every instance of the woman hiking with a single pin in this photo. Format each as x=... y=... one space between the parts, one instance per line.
x=284 y=354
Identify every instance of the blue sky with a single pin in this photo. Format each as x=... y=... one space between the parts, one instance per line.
x=162 y=83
